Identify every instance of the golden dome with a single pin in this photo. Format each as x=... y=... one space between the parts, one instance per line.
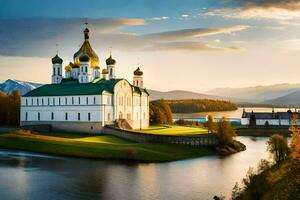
x=86 y=48
x=68 y=67
x=104 y=71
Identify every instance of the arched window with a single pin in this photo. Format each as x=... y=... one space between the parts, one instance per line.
x=58 y=100
x=53 y=101
x=94 y=100
x=89 y=116
x=66 y=116
x=42 y=101
x=26 y=102
x=66 y=101
x=32 y=101
x=87 y=100
x=48 y=102
x=137 y=82
x=78 y=100
x=52 y=116
x=108 y=116
x=72 y=100
x=39 y=116
x=37 y=101
x=26 y=116
x=78 y=116
x=110 y=71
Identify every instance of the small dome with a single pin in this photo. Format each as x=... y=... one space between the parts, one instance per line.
x=84 y=58
x=138 y=72
x=104 y=71
x=97 y=67
x=68 y=67
x=110 y=61
x=57 y=60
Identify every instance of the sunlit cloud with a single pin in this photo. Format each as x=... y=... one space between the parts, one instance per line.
x=263 y=9
x=159 y=18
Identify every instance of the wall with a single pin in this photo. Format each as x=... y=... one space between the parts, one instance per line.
x=75 y=127
x=203 y=140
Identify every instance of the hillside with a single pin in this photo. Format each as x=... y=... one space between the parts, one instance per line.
x=292 y=99
x=22 y=86
x=257 y=94
x=183 y=94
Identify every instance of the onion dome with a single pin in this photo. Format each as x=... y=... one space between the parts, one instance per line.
x=138 y=72
x=75 y=66
x=68 y=67
x=97 y=67
x=104 y=71
x=86 y=49
x=110 y=61
x=84 y=58
x=57 y=60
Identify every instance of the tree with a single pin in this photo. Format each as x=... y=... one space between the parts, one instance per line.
x=211 y=125
x=160 y=112
x=278 y=147
x=225 y=131
x=295 y=141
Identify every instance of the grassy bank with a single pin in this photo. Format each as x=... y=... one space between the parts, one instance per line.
x=98 y=147
x=262 y=131
x=173 y=130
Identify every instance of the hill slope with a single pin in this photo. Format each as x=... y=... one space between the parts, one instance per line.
x=22 y=86
x=292 y=99
x=257 y=94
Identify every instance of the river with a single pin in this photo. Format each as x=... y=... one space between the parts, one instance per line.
x=37 y=176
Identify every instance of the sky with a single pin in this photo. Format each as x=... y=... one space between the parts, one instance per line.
x=194 y=45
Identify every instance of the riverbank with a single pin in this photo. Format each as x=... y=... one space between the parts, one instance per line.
x=262 y=131
x=99 y=147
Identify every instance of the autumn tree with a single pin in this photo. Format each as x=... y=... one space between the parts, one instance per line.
x=225 y=131
x=211 y=124
x=160 y=112
x=278 y=147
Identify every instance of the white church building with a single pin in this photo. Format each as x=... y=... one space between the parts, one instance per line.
x=85 y=100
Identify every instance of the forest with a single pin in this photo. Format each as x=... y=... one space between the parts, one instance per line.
x=9 y=108
x=200 y=105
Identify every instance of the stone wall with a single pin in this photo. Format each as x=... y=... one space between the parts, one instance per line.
x=200 y=140
x=75 y=127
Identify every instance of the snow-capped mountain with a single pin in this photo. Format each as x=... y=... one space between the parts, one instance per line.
x=22 y=86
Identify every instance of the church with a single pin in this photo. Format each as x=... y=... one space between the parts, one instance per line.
x=86 y=98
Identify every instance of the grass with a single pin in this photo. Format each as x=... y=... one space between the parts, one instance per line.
x=262 y=131
x=99 y=147
x=172 y=130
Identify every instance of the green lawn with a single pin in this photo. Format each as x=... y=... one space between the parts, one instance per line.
x=99 y=146
x=172 y=130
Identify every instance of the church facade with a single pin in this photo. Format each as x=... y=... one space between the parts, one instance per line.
x=86 y=99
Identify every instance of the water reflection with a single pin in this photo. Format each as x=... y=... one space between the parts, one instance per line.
x=31 y=176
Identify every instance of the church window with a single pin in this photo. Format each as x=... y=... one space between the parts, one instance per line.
x=87 y=100
x=58 y=100
x=42 y=101
x=37 y=101
x=66 y=116
x=72 y=100
x=94 y=100
x=52 y=116
x=137 y=82
x=26 y=102
x=32 y=101
x=86 y=69
x=39 y=116
x=108 y=116
x=48 y=102
x=53 y=70
x=78 y=100
x=89 y=116
x=53 y=101
x=26 y=116
x=110 y=71
x=78 y=116
x=66 y=100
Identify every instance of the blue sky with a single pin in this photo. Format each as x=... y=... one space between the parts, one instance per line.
x=228 y=43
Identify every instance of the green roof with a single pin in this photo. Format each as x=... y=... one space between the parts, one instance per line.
x=69 y=87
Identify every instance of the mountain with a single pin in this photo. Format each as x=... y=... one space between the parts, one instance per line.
x=183 y=94
x=292 y=99
x=257 y=94
x=22 y=86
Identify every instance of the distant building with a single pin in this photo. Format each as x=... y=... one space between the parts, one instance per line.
x=84 y=99
x=268 y=118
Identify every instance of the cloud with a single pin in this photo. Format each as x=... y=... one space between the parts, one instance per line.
x=261 y=9
x=37 y=37
x=159 y=18
x=188 y=46
x=195 y=32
